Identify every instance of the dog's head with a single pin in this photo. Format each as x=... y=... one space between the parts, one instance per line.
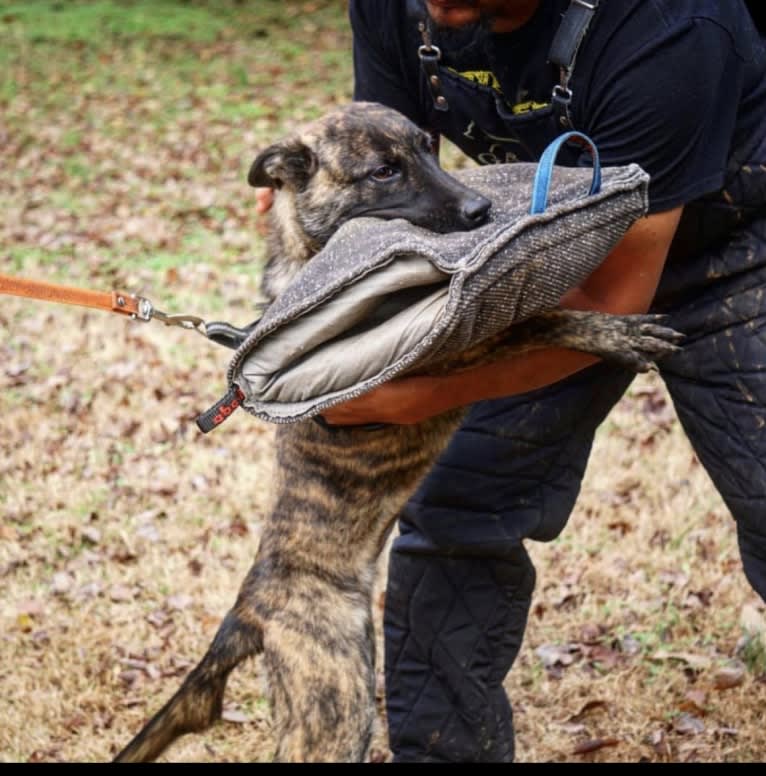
x=360 y=160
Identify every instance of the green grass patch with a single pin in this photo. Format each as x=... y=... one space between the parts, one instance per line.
x=81 y=21
x=753 y=654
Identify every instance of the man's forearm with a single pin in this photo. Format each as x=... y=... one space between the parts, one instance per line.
x=413 y=399
x=514 y=375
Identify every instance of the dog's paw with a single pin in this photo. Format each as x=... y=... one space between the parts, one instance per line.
x=642 y=341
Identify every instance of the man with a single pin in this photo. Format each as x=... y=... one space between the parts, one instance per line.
x=679 y=87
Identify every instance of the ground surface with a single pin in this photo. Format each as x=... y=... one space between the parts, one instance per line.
x=126 y=132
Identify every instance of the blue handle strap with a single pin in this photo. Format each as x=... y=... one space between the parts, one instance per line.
x=544 y=172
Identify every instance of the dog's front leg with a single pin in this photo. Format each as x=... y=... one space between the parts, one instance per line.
x=632 y=341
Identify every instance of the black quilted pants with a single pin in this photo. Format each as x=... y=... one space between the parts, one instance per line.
x=460 y=580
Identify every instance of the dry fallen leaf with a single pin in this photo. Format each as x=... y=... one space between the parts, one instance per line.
x=594 y=744
x=589 y=707
x=630 y=645
x=555 y=654
x=573 y=728
x=120 y=593
x=130 y=677
x=179 y=602
x=590 y=633
x=729 y=676
x=673 y=578
x=660 y=743
x=604 y=658
x=158 y=618
x=688 y=725
x=62 y=583
x=235 y=715
x=88 y=590
x=91 y=534
x=695 y=701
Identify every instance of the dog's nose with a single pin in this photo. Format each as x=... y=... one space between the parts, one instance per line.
x=475 y=209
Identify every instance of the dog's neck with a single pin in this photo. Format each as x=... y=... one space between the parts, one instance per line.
x=289 y=247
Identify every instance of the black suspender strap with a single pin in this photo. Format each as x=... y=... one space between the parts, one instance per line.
x=563 y=52
x=429 y=56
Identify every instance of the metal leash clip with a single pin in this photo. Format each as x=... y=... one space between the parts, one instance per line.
x=147 y=311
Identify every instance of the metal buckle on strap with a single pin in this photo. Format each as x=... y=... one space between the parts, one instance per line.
x=191 y=322
x=562 y=94
x=431 y=53
x=427 y=50
x=561 y=98
x=147 y=311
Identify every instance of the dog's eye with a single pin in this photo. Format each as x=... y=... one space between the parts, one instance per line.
x=384 y=172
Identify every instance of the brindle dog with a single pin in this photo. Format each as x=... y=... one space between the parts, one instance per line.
x=305 y=605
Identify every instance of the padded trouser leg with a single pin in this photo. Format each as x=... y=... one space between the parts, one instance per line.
x=718 y=383
x=454 y=628
x=460 y=580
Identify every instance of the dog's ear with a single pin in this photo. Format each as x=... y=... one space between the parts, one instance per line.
x=291 y=163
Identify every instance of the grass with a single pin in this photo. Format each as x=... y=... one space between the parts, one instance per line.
x=126 y=133
x=70 y=22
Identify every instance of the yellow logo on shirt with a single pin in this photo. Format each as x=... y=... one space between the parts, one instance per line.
x=529 y=105
x=488 y=78
x=481 y=77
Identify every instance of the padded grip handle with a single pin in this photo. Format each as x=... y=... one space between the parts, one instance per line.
x=542 y=181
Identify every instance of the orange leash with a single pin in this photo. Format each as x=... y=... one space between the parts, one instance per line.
x=137 y=307
x=113 y=301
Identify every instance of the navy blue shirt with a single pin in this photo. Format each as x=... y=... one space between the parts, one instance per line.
x=676 y=86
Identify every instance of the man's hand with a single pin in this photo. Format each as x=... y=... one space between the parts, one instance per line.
x=264 y=199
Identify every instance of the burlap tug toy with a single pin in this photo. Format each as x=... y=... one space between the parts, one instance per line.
x=385 y=296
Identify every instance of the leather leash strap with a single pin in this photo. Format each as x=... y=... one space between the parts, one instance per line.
x=112 y=301
x=137 y=307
